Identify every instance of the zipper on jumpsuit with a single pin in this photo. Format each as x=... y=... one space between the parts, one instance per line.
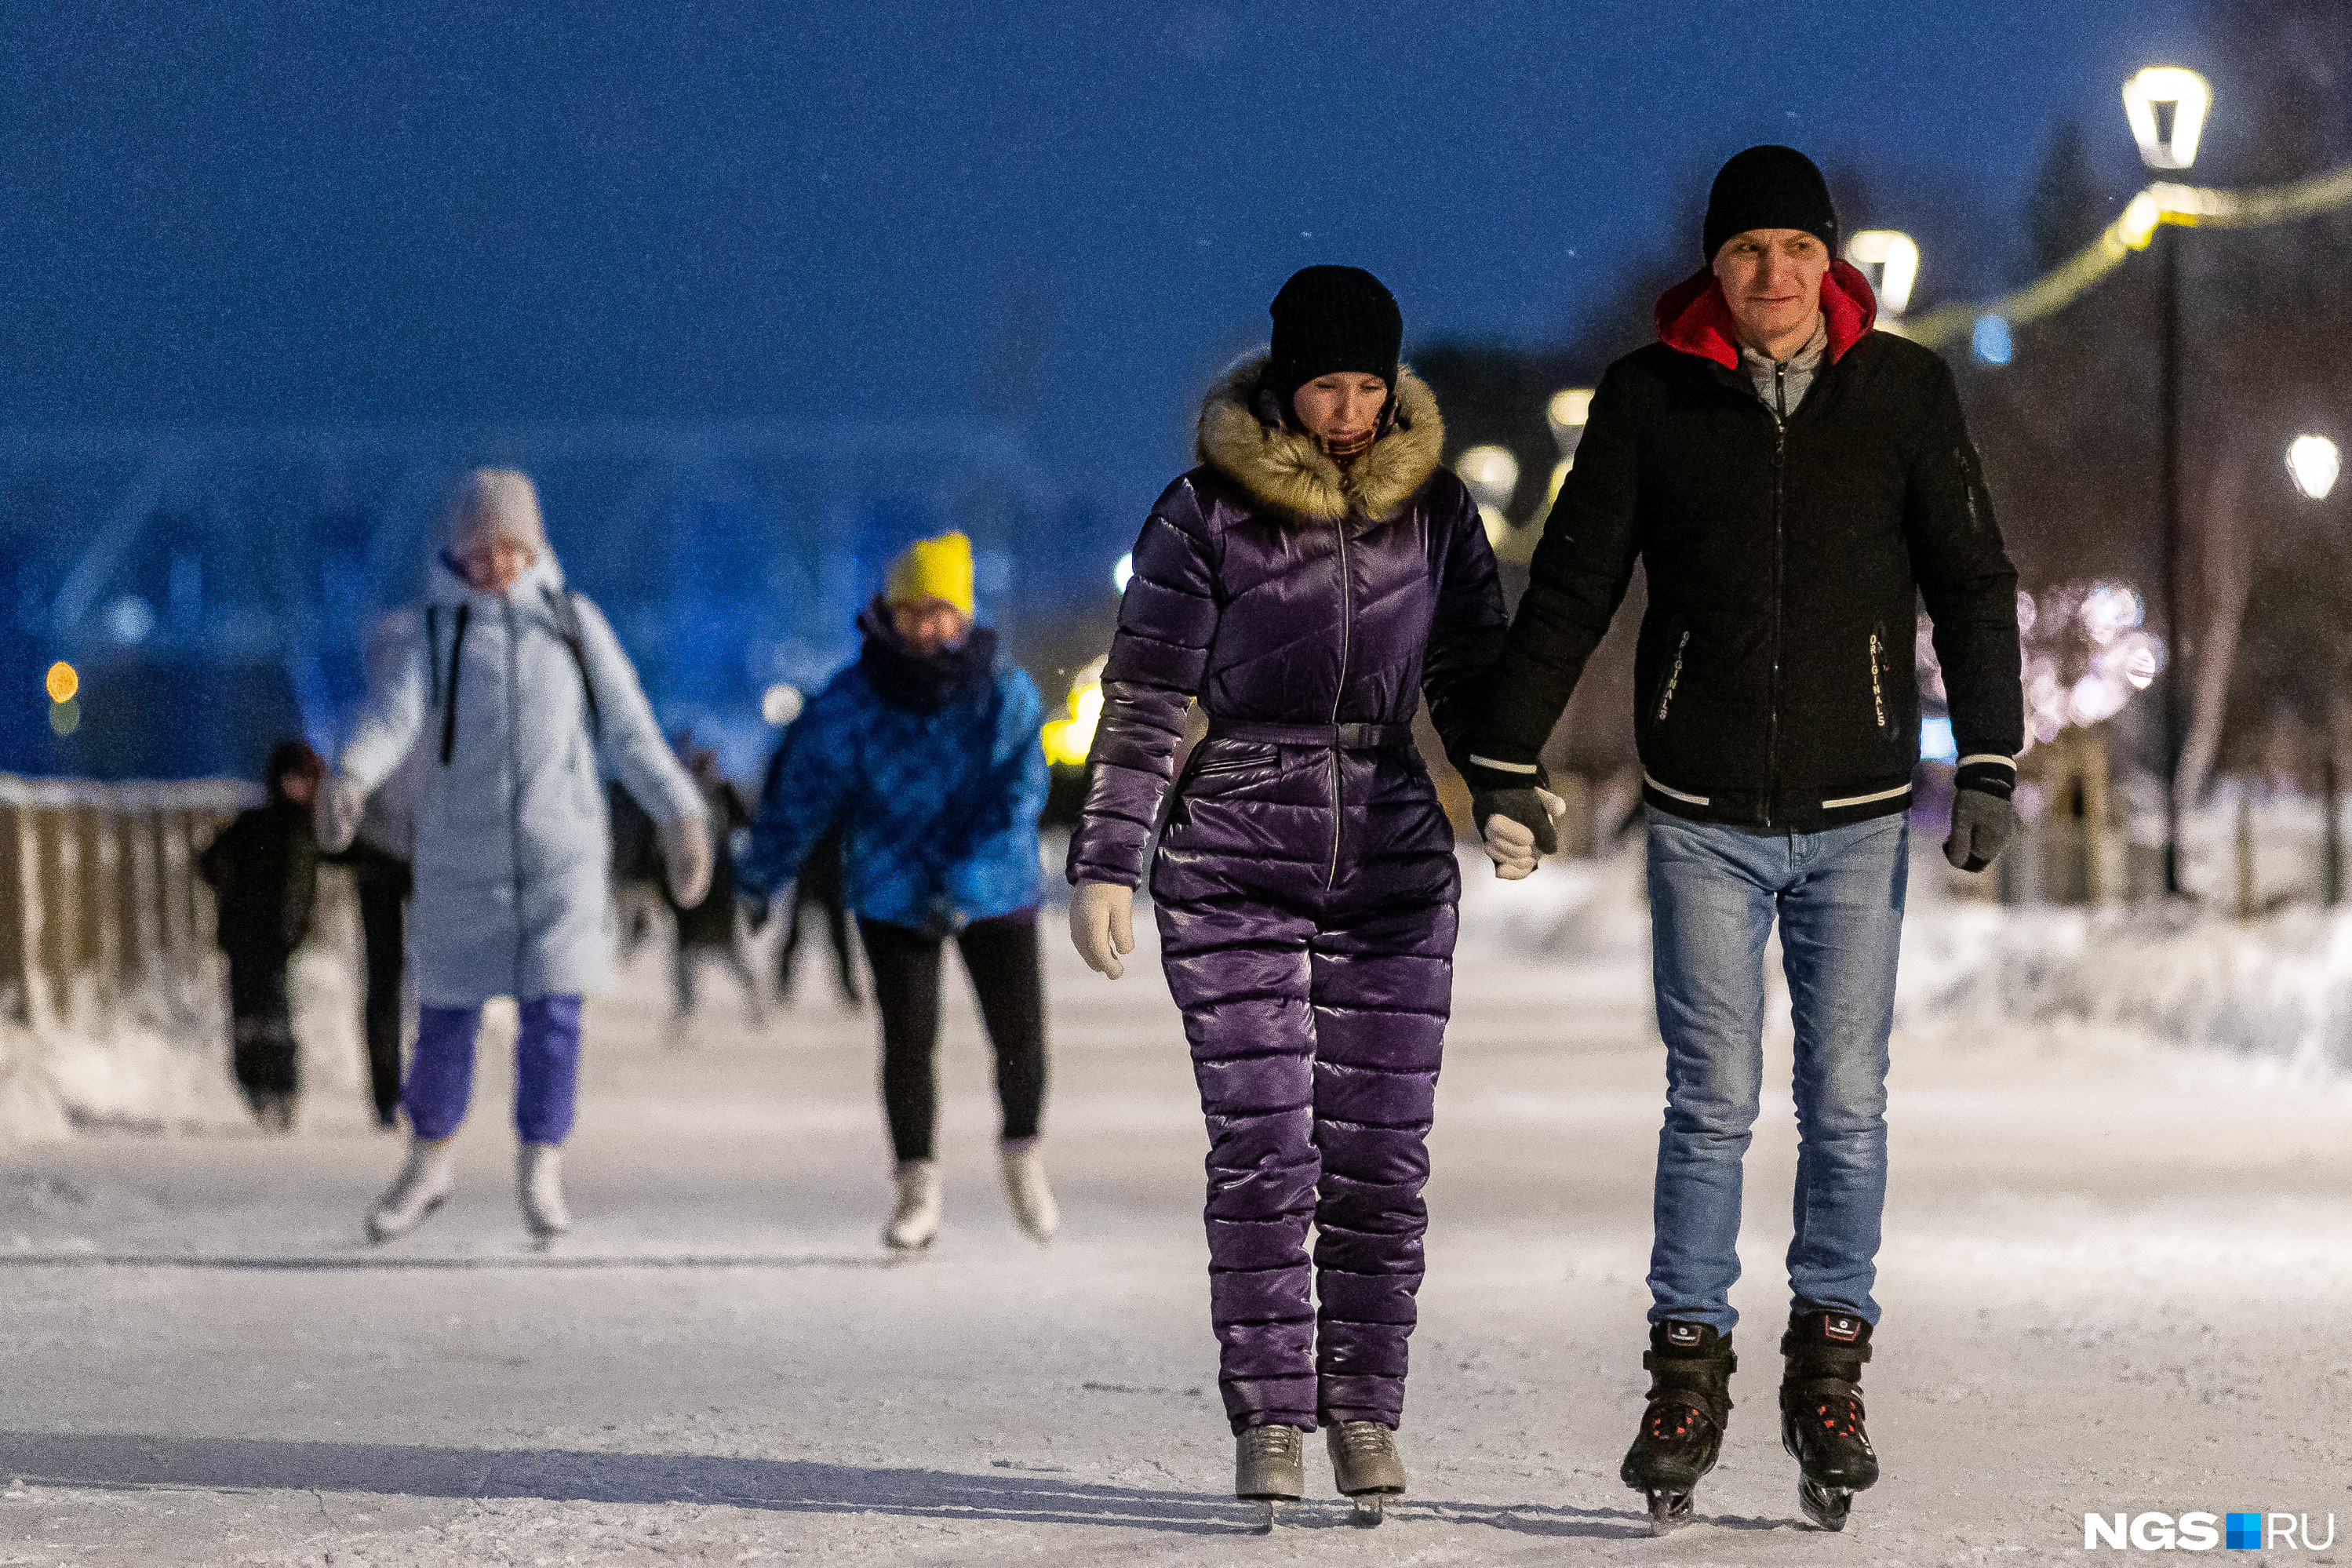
x=1338 y=812
x=1779 y=412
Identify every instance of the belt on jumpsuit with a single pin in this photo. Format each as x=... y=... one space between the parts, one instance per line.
x=1340 y=737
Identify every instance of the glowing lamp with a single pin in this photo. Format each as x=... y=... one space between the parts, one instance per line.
x=1569 y=409
x=1896 y=258
x=2314 y=462
x=2187 y=94
x=1123 y=572
x=1492 y=474
x=62 y=682
x=1068 y=741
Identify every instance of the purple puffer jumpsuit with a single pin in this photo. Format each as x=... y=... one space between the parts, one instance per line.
x=1306 y=880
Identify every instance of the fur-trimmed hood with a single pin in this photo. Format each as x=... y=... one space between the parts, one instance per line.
x=1282 y=468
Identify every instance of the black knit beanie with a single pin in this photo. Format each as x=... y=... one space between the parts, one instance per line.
x=1770 y=188
x=1327 y=319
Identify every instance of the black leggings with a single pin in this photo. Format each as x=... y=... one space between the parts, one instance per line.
x=383 y=898
x=1000 y=955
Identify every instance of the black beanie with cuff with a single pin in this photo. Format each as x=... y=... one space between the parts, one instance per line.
x=1768 y=187
x=1330 y=319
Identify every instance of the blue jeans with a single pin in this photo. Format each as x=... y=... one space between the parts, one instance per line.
x=1715 y=893
x=546 y=1069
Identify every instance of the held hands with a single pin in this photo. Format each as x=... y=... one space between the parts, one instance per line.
x=1102 y=925
x=336 y=819
x=1519 y=827
x=687 y=857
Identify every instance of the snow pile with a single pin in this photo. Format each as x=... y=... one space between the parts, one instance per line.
x=158 y=1061
x=1579 y=911
x=2278 y=989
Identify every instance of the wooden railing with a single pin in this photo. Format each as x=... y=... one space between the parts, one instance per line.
x=100 y=899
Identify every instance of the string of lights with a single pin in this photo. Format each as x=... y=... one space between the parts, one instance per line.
x=2187 y=206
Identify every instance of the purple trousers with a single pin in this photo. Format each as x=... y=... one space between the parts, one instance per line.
x=1316 y=1018
x=546 y=1069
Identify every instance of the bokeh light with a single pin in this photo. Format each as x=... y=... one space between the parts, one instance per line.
x=63 y=683
x=780 y=703
x=1992 y=341
x=1069 y=740
x=2314 y=462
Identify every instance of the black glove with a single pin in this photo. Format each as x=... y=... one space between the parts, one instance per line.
x=1521 y=807
x=1500 y=793
x=1983 y=821
x=1506 y=792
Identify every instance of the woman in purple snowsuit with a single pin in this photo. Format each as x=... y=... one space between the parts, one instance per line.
x=1309 y=582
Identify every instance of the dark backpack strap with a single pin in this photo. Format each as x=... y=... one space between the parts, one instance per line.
x=450 y=706
x=565 y=608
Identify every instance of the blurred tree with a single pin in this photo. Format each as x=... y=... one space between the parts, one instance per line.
x=2067 y=208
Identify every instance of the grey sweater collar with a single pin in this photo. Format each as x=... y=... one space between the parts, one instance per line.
x=1782 y=384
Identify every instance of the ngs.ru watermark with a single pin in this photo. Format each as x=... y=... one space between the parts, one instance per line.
x=2204 y=1531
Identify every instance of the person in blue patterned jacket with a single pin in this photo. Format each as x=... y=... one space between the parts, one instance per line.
x=924 y=750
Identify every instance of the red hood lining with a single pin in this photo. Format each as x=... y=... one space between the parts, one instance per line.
x=1695 y=318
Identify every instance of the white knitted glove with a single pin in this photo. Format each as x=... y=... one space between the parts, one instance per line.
x=1512 y=845
x=1102 y=925
x=687 y=855
x=336 y=818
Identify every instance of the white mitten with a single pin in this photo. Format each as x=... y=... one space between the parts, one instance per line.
x=336 y=819
x=687 y=855
x=1102 y=925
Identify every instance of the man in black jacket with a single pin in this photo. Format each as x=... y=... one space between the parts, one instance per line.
x=1793 y=484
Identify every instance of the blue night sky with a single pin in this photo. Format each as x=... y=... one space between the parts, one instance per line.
x=1062 y=214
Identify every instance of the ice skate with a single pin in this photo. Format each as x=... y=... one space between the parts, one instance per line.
x=422 y=1184
x=1269 y=1468
x=1822 y=1415
x=1032 y=1200
x=1366 y=1466
x=915 y=1218
x=1690 y=1368
x=539 y=1182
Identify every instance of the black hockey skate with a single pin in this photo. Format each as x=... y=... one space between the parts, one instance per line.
x=1821 y=1413
x=1690 y=1368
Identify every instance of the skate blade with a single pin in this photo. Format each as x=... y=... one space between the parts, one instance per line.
x=1826 y=1507
x=1371 y=1509
x=1269 y=1514
x=379 y=1233
x=1669 y=1512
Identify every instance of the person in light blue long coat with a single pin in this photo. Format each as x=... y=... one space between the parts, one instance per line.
x=514 y=688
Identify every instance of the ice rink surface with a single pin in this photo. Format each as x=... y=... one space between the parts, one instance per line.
x=2114 y=1281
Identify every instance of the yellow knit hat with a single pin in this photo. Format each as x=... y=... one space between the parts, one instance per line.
x=933 y=569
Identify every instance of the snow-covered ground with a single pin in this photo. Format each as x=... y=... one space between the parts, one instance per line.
x=2113 y=1281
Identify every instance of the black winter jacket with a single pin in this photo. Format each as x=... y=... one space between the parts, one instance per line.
x=264 y=873
x=1774 y=681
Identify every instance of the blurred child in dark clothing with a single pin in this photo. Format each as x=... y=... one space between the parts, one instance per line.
x=708 y=930
x=264 y=873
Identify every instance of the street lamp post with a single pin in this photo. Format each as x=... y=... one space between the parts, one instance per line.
x=2166 y=107
x=2312 y=461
